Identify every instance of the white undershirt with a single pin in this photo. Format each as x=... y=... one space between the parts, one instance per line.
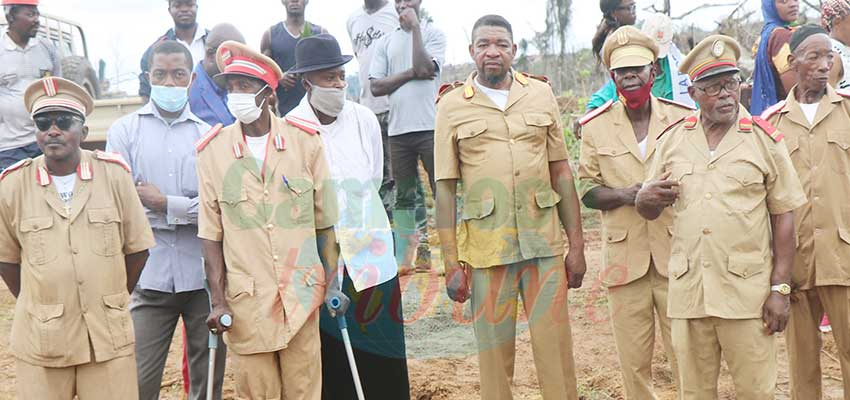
x=498 y=97
x=257 y=146
x=642 y=147
x=65 y=186
x=810 y=111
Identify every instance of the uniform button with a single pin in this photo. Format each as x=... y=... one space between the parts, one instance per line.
x=266 y=193
x=706 y=231
x=814 y=168
x=512 y=141
x=269 y=226
x=711 y=166
x=275 y=258
x=516 y=173
x=280 y=286
x=706 y=264
x=708 y=196
x=74 y=250
x=519 y=207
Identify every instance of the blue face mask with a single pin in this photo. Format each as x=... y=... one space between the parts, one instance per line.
x=170 y=99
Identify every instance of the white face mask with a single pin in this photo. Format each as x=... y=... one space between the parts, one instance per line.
x=328 y=101
x=244 y=107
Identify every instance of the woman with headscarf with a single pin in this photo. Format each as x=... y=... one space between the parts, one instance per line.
x=772 y=77
x=834 y=19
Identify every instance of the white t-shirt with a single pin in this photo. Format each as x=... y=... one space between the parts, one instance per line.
x=642 y=147
x=198 y=45
x=65 y=186
x=810 y=111
x=365 y=29
x=498 y=97
x=257 y=146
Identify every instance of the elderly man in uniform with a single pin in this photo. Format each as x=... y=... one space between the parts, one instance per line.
x=617 y=149
x=500 y=132
x=73 y=242
x=24 y=58
x=814 y=120
x=732 y=189
x=267 y=214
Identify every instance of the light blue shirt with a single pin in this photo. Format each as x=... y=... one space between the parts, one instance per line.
x=163 y=155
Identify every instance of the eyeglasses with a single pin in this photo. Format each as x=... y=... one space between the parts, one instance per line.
x=715 y=89
x=63 y=122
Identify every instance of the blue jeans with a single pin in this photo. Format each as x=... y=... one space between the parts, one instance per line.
x=11 y=156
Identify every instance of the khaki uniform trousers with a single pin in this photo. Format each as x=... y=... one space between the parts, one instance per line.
x=109 y=380
x=804 y=339
x=542 y=283
x=749 y=353
x=636 y=308
x=293 y=373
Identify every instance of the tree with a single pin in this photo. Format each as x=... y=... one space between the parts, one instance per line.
x=558 y=14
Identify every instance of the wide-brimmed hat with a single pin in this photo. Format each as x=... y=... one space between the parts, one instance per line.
x=316 y=53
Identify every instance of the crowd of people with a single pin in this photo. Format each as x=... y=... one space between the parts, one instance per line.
x=250 y=198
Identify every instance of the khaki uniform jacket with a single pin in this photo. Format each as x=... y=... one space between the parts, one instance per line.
x=274 y=278
x=721 y=257
x=610 y=157
x=509 y=209
x=73 y=302
x=821 y=155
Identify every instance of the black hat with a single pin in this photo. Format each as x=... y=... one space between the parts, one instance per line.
x=315 y=53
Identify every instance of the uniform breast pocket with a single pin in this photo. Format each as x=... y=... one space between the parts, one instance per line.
x=538 y=125
x=105 y=231
x=684 y=174
x=470 y=141
x=744 y=189
x=838 y=150
x=296 y=210
x=616 y=166
x=37 y=246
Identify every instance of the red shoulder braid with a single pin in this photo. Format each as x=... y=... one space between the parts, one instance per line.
x=676 y=103
x=772 y=110
x=208 y=137
x=843 y=93
x=768 y=129
x=541 y=78
x=447 y=87
x=667 y=129
x=303 y=124
x=114 y=158
x=14 y=167
x=595 y=113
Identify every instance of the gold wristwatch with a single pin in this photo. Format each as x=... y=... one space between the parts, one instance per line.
x=782 y=288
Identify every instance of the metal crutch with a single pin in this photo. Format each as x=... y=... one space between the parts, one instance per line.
x=226 y=321
x=343 y=327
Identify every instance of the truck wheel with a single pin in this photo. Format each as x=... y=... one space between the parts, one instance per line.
x=79 y=70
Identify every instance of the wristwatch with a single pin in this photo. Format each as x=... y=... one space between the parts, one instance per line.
x=782 y=288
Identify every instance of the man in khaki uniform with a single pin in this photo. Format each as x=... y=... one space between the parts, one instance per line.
x=501 y=133
x=73 y=241
x=266 y=218
x=815 y=120
x=617 y=149
x=732 y=188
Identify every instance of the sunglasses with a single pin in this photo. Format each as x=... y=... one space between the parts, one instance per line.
x=63 y=122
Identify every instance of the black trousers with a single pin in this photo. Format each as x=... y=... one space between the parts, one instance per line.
x=378 y=343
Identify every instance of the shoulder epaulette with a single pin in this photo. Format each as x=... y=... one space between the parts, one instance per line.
x=770 y=111
x=114 y=158
x=303 y=124
x=843 y=93
x=541 y=78
x=768 y=129
x=14 y=167
x=446 y=88
x=667 y=129
x=208 y=137
x=595 y=113
x=676 y=103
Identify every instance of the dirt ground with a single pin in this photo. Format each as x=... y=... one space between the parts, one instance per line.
x=441 y=358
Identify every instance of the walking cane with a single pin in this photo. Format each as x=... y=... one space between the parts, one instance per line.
x=343 y=327
x=226 y=321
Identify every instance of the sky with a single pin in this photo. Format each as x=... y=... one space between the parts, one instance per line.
x=119 y=31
